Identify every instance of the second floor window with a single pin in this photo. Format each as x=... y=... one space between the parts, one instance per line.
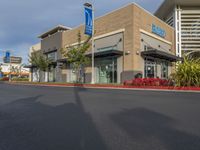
x=52 y=56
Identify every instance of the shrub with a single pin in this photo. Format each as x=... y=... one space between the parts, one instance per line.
x=20 y=79
x=188 y=73
x=128 y=82
x=148 y=82
x=4 y=79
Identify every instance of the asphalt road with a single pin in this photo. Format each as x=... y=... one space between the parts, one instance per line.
x=49 y=118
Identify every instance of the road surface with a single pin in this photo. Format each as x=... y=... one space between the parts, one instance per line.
x=53 y=118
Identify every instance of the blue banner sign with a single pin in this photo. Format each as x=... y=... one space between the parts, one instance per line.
x=159 y=31
x=7 y=57
x=88 y=21
x=1 y=74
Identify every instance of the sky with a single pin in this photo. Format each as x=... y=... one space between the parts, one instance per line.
x=21 y=21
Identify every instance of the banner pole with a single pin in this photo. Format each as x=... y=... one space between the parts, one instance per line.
x=89 y=30
x=93 y=69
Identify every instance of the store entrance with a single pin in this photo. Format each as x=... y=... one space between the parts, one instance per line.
x=150 y=69
x=106 y=70
x=156 y=68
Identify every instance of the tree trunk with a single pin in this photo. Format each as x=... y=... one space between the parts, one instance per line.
x=38 y=75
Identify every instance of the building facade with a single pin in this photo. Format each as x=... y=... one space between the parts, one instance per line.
x=129 y=42
x=34 y=74
x=184 y=16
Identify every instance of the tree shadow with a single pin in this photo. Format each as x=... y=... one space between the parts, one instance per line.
x=152 y=130
x=28 y=124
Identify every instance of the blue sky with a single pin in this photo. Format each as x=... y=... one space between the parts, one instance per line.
x=21 y=21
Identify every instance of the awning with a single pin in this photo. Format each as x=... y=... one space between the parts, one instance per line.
x=161 y=54
x=106 y=53
x=29 y=66
x=64 y=60
x=50 y=51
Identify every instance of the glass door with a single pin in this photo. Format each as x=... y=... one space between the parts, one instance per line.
x=150 y=69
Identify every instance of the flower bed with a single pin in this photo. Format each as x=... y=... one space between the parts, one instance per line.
x=147 y=82
x=152 y=85
x=20 y=79
x=4 y=79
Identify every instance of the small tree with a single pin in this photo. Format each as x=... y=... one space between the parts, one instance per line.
x=40 y=61
x=76 y=56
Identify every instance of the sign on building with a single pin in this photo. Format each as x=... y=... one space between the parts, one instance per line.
x=159 y=31
x=12 y=59
x=7 y=57
x=88 y=21
x=1 y=74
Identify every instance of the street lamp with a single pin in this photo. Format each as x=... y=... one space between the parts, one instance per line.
x=90 y=6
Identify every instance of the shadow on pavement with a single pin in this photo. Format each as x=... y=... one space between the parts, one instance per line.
x=27 y=124
x=153 y=131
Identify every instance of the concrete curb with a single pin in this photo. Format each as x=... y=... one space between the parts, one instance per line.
x=166 y=89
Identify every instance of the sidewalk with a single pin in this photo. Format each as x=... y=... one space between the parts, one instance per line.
x=110 y=86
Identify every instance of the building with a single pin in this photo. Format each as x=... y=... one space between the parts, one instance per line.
x=129 y=42
x=13 y=60
x=14 y=67
x=184 y=16
x=34 y=73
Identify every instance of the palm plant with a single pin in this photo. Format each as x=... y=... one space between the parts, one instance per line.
x=188 y=72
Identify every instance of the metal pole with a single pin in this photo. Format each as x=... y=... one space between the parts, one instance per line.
x=93 y=69
x=10 y=67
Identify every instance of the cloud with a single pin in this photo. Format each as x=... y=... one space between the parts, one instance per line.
x=23 y=20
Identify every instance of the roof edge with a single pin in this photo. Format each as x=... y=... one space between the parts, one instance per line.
x=58 y=26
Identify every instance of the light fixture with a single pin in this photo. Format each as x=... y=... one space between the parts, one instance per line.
x=137 y=52
x=127 y=52
x=88 y=5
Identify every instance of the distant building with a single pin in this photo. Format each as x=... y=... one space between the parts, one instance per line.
x=14 y=67
x=15 y=70
x=184 y=16
x=13 y=60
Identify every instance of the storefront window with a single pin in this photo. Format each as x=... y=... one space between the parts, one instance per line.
x=164 y=70
x=106 y=70
x=52 y=56
x=51 y=74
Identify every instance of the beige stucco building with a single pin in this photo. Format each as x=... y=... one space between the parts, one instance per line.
x=129 y=42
